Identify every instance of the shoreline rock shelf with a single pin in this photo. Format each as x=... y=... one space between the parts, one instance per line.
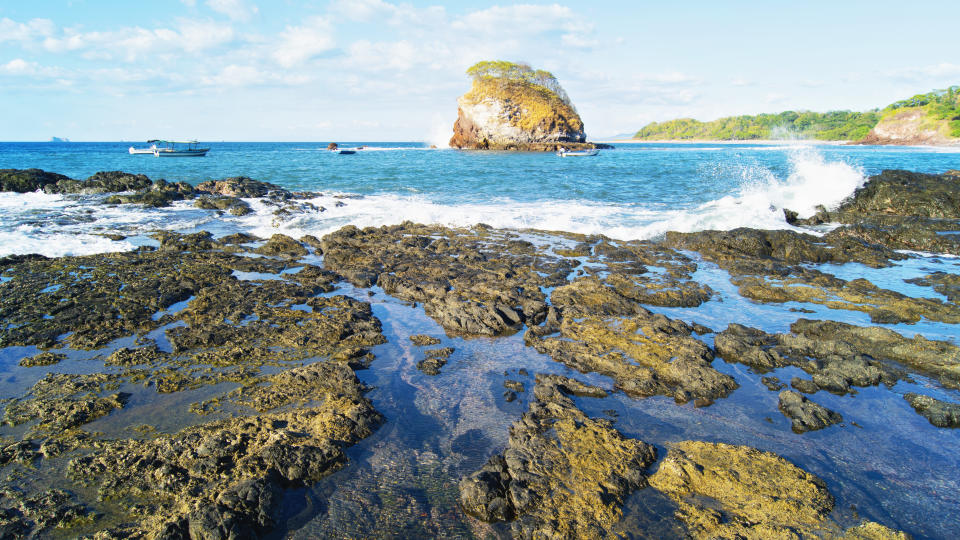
x=276 y=401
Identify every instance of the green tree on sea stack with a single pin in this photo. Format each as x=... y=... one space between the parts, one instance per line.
x=517 y=72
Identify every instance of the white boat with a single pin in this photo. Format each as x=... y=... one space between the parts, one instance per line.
x=344 y=151
x=577 y=153
x=150 y=150
x=178 y=149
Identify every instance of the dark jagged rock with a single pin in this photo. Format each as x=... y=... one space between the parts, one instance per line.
x=160 y=194
x=281 y=244
x=239 y=186
x=901 y=210
x=942 y=282
x=233 y=205
x=562 y=475
x=738 y=247
x=42 y=359
x=435 y=359
x=422 y=340
x=471 y=282
x=805 y=415
x=28 y=180
x=939 y=413
x=645 y=354
x=773 y=384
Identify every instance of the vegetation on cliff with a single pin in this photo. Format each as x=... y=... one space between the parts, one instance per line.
x=829 y=126
x=940 y=110
x=510 y=104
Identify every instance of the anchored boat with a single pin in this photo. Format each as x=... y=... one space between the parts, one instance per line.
x=576 y=153
x=161 y=148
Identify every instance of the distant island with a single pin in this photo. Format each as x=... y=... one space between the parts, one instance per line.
x=59 y=139
x=511 y=106
x=931 y=118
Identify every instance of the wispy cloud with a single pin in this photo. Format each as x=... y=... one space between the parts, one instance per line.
x=237 y=10
x=297 y=44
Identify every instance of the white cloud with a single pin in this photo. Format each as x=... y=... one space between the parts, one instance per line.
x=11 y=30
x=940 y=71
x=234 y=75
x=237 y=10
x=133 y=43
x=298 y=44
x=21 y=67
x=529 y=20
x=400 y=55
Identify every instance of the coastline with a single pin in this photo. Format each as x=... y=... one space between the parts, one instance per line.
x=558 y=314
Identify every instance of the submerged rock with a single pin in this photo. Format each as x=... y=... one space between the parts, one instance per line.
x=562 y=475
x=805 y=415
x=939 y=413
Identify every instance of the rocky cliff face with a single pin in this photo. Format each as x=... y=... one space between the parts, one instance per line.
x=910 y=127
x=515 y=115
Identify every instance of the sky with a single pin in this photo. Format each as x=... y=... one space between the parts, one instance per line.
x=373 y=70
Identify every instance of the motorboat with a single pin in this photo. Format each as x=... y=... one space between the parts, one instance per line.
x=178 y=149
x=343 y=151
x=577 y=153
x=161 y=148
x=150 y=150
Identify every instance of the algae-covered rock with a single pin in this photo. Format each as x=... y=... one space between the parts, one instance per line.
x=939 y=413
x=435 y=359
x=513 y=106
x=62 y=401
x=645 y=354
x=281 y=244
x=28 y=180
x=471 y=282
x=806 y=415
x=239 y=186
x=727 y=491
x=844 y=355
x=562 y=475
x=42 y=359
x=422 y=340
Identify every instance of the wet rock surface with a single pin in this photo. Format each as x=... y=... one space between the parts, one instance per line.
x=645 y=354
x=277 y=425
x=727 y=491
x=562 y=474
x=806 y=415
x=255 y=348
x=939 y=413
x=841 y=356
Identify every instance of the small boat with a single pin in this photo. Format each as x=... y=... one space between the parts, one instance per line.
x=178 y=149
x=150 y=150
x=161 y=148
x=343 y=151
x=577 y=153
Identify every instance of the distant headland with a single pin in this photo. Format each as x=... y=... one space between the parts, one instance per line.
x=924 y=119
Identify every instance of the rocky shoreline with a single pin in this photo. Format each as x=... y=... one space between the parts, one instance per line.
x=268 y=337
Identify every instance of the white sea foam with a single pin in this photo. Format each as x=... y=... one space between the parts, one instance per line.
x=55 y=225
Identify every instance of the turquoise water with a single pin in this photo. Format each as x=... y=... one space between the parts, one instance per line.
x=633 y=191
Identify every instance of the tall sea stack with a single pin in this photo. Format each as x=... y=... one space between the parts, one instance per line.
x=514 y=107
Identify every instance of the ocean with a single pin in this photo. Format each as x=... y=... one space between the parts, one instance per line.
x=885 y=463
x=636 y=191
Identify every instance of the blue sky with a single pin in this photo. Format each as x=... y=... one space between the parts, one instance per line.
x=291 y=70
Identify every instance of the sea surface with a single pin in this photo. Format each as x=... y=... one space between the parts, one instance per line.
x=885 y=463
x=634 y=191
